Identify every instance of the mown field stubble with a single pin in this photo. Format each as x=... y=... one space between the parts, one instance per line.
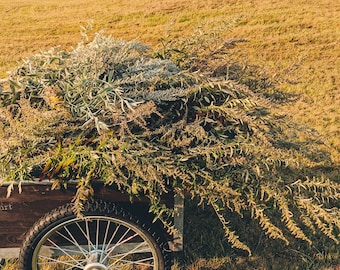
x=295 y=44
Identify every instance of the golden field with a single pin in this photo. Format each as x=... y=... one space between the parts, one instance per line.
x=294 y=43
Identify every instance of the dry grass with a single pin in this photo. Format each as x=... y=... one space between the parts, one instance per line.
x=296 y=43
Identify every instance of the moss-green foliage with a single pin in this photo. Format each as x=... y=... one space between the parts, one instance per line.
x=110 y=111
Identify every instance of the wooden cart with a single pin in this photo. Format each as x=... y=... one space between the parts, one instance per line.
x=38 y=226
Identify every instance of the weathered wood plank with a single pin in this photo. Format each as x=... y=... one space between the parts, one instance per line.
x=20 y=211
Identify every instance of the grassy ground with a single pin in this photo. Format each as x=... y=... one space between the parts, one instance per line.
x=295 y=43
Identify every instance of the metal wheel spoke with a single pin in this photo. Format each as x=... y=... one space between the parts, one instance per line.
x=120 y=242
x=86 y=234
x=97 y=234
x=73 y=241
x=58 y=248
x=145 y=249
x=66 y=249
x=141 y=262
x=111 y=238
x=104 y=240
x=65 y=262
x=132 y=251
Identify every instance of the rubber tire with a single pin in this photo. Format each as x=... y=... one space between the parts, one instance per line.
x=66 y=212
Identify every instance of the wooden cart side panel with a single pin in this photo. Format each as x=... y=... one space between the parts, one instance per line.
x=20 y=211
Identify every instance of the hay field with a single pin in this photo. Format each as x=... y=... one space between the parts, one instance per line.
x=295 y=43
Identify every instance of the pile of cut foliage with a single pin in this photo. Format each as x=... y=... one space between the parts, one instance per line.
x=110 y=111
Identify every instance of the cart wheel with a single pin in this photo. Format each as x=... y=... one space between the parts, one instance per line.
x=106 y=237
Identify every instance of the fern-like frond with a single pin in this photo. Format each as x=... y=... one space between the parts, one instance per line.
x=280 y=198
x=258 y=212
x=320 y=188
x=326 y=220
x=232 y=238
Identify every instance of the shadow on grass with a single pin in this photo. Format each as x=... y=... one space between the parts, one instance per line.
x=205 y=246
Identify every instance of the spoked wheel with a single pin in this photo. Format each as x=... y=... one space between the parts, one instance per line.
x=104 y=238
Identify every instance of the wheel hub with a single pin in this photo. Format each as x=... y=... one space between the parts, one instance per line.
x=95 y=266
x=93 y=262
